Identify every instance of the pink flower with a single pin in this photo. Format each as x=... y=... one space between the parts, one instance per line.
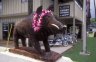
x=38 y=21
x=36 y=29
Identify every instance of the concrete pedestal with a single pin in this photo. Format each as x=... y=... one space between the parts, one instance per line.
x=29 y=52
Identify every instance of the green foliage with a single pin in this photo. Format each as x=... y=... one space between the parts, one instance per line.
x=74 y=53
x=93 y=19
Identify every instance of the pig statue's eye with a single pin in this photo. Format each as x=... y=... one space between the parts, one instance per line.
x=48 y=16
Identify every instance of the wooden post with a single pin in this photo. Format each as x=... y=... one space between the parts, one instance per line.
x=30 y=7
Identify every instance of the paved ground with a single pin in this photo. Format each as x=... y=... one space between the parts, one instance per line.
x=6 y=56
x=61 y=49
x=10 y=57
x=58 y=49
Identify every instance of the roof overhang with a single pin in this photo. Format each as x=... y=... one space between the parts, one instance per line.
x=69 y=20
x=80 y=2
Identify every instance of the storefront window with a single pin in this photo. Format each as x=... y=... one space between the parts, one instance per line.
x=24 y=1
x=6 y=27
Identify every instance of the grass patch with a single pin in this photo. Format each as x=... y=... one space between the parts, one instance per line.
x=74 y=52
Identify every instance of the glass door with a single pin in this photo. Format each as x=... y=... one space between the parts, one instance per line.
x=7 y=29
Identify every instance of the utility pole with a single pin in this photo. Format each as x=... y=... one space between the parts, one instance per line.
x=74 y=20
x=84 y=49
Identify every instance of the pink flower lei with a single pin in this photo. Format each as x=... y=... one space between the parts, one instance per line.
x=38 y=21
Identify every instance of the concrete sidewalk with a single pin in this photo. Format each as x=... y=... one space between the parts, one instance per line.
x=11 y=57
x=61 y=49
x=6 y=56
x=58 y=49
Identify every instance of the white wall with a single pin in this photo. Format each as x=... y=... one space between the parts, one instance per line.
x=14 y=7
x=47 y=3
x=11 y=8
x=56 y=11
x=8 y=20
x=78 y=10
x=36 y=4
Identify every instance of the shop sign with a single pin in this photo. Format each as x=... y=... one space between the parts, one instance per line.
x=64 y=10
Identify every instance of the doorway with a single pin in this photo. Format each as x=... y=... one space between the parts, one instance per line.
x=6 y=28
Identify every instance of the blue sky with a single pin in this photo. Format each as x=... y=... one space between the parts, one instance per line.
x=92 y=8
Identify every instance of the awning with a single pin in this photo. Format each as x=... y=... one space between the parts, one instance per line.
x=80 y=2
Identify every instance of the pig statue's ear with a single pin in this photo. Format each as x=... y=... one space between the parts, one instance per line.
x=39 y=10
x=51 y=7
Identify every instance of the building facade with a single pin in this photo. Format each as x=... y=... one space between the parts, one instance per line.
x=12 y=11
x=69 y=11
